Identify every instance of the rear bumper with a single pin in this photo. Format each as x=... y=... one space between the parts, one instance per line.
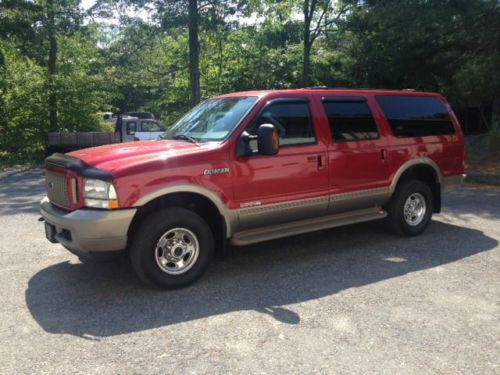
x=88 y=231
x=451 y=183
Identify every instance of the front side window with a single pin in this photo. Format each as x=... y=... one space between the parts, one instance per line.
x=416 y=116
x=292 y=120
x=350 y=120
x=211 y=120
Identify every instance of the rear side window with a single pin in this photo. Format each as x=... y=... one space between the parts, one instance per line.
x=416 y=116
x=350 y=120
x=291 y=119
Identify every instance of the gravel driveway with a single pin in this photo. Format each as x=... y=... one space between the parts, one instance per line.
x=347 y=300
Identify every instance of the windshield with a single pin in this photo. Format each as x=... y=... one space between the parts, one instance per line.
x=212 y=120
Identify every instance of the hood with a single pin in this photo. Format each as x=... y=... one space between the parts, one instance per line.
x=120 y=155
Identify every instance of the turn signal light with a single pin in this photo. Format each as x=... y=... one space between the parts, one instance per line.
x=113 y=203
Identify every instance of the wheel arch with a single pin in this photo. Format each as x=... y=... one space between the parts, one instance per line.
x=425 y=170
x=200 y=200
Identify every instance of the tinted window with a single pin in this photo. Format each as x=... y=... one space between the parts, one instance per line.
x=350 y=121
x=293 y=121
x=416 y=116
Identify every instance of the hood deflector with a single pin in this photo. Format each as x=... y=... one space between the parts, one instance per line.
x=78 y=166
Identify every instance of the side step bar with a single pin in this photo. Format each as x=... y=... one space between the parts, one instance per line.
x=250 y=236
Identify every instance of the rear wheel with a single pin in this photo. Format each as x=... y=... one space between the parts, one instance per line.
x=171 y=248
x=410 y=209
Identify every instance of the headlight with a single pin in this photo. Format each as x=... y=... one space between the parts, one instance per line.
x=99 y=194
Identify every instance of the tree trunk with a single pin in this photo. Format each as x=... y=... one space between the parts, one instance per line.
x=306 y=63
x=52 y=102
x=3 y=81
x=194 y=53
x=306 y=56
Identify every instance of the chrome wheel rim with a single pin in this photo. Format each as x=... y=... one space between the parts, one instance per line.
x=177 y=251
x=414 y=209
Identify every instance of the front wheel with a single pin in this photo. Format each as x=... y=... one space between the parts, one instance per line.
x=410 y=209
x=171 y=248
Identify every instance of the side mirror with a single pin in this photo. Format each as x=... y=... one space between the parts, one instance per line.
x=268 y=142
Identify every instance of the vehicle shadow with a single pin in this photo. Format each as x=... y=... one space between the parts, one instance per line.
x=100 y=300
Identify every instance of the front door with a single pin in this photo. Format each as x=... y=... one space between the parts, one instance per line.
x=291 y=185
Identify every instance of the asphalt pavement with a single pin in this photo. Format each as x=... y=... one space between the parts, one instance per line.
x=346 y=300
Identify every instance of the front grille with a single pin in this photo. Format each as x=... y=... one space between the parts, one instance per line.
x=57 y=189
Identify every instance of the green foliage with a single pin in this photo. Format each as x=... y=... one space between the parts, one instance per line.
x=442 y=45
x=447 y=46
x=24 y=126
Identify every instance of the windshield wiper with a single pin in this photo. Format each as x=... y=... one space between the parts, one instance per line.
x=186 y=138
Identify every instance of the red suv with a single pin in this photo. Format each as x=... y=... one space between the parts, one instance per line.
x=255 y=166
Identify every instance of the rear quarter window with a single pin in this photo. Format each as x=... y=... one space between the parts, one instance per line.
x=416 y=116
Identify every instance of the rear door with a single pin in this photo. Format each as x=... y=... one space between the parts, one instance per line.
x=359 y=173
x=291 y=185
x=423 y=126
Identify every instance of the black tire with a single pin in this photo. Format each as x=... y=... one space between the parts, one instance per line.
x=149 y=232
x=395 y=221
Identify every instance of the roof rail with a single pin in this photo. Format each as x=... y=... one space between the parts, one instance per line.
x=318 y=87
x=337 y=88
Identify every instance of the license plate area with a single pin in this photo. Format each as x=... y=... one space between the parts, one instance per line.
x=50 y=232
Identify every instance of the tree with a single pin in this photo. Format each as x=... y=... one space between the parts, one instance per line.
x=447 y=46
x=194 y=52
x=52 y=64
x=35 y=25
x=319 y=16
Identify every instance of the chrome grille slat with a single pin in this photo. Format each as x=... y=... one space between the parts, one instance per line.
x=57 y=189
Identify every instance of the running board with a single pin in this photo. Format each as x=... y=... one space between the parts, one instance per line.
x=250 y=236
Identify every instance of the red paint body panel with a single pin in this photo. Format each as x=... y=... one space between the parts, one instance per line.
x=141 y=168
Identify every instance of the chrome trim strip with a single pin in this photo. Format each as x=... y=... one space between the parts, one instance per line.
x=358 y=199
x=277 y=213
x=273 y=207
x=360 y=193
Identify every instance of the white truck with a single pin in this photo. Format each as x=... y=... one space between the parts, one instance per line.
x=127 y=129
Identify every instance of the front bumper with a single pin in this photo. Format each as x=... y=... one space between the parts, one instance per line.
x=88 y=231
